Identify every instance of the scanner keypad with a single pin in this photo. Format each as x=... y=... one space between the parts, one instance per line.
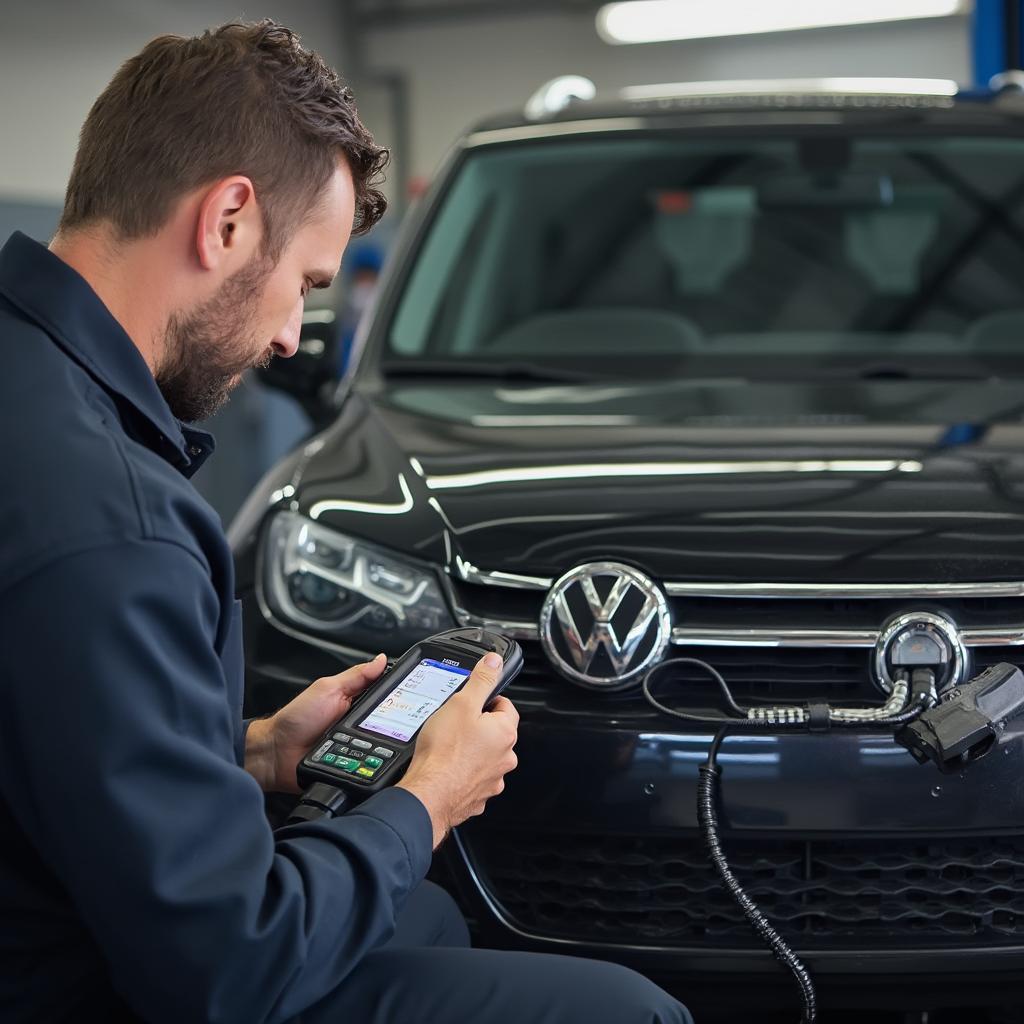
x=348 y=756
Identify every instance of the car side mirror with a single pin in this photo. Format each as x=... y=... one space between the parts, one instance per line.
x=311 y=375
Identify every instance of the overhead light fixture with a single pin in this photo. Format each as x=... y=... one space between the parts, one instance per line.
x=653 y=21
x=794 y=87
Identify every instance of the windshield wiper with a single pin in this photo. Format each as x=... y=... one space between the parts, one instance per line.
x=468 y=368
x=889 y=372
x=884 y=371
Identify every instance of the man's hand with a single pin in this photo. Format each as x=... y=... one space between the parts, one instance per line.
x=275 y=745
x=463 y=752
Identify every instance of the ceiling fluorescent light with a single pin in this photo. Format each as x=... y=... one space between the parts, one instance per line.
x=652 y=21
x=794 y=86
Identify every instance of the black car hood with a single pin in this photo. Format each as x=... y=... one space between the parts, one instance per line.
x=856 y=481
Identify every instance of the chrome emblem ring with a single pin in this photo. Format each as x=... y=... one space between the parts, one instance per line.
x=604 y=624
x=939 y=628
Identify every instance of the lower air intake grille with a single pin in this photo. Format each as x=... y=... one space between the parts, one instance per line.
x=660 y=891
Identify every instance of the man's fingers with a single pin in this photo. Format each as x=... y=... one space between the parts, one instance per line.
x=355 y=679
x=503 y=706
x=485 y=677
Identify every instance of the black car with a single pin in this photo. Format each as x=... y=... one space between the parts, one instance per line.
x=735 y=377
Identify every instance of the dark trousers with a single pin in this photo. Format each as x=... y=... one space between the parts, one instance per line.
x=427 y=974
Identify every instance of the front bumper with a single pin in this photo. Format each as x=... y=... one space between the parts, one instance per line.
x=882 y=874
x=870 y=864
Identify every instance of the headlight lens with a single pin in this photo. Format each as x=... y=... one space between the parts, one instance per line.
x=347 y=590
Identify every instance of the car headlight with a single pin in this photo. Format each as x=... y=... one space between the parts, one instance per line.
x=346 y=590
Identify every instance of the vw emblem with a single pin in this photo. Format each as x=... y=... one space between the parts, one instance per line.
x=604 y=625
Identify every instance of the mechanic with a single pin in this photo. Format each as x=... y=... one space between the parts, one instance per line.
x=217 y=180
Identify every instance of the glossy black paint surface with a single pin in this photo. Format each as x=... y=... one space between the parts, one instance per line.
x=847 y=482
x=821 y=480
x=635 y=780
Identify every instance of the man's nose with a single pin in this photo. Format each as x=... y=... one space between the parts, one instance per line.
x=286 y=341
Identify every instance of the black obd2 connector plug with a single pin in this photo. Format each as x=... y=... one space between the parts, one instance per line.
x=968 y=720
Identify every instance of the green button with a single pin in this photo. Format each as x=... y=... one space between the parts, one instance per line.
x=372 y=762
x=328 y=758
x=347 y=764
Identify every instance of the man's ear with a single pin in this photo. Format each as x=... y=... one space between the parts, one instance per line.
x=229 y=229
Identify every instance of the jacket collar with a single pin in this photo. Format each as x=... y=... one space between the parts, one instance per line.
x=56 y=297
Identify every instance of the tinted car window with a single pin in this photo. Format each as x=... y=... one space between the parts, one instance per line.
x=655 y=249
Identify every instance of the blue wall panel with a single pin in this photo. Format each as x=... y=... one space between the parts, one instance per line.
x=997 y=31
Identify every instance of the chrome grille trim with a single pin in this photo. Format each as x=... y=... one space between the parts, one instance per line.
x=682 y=636
x=516 y=630
x=1008 y=635
x=471 y=574
x=998 y=636
x=676 y=588
x=685 y=636
x=849 y=590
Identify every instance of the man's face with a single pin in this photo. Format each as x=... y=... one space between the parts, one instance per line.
x=257 y=313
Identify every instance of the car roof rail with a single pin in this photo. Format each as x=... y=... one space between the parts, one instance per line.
x=557 y=94
x=1011 y=80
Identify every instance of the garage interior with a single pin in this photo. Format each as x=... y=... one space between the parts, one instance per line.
x=687 y=356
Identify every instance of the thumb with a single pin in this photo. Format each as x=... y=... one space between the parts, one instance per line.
x=484 y=677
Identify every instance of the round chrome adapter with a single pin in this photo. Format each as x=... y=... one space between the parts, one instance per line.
x=920 y=639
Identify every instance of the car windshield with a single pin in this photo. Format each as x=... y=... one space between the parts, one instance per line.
x=722 y=255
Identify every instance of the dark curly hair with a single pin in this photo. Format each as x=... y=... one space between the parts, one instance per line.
x=239 y=99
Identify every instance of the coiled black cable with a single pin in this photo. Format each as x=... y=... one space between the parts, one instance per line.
x=708 y=784
x=707 y=812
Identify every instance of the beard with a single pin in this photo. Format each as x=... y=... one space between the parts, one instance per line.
x=209 y=347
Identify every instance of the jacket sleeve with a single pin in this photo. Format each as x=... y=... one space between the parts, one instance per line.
x=116 y=753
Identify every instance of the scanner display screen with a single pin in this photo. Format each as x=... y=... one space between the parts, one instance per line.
x=402 y=712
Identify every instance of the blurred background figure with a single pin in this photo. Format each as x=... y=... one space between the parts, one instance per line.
x=361 y=286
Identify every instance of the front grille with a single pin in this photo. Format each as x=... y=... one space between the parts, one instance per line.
x=834 y=611
x=774 y=674
x=663 y=891
x=838 y=611
x=761 y=673
x=755 y=675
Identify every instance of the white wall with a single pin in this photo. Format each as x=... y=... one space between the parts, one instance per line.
x=461 y=71
x=56 y=57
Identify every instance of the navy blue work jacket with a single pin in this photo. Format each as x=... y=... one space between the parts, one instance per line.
x=138 y=874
